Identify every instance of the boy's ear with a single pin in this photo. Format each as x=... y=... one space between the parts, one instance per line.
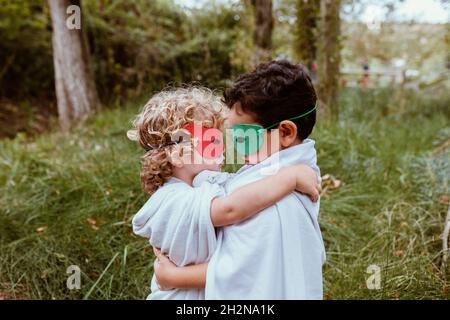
x=288 y=133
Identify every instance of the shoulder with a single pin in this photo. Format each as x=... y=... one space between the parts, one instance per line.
x=211 y=177
x=173 y=185
x=171 y=192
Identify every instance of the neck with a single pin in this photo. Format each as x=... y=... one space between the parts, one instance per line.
x=184 y=175
x=297 y=141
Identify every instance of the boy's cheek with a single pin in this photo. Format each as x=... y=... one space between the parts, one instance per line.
x=267 y=149
x=255 y=158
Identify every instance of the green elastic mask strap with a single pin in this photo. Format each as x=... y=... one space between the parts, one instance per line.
x=293 y=118
x=242 y=142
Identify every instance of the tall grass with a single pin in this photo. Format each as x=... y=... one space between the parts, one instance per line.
x=69 y=199
x=387 y=213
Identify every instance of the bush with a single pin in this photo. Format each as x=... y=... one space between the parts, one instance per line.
x=26 y=63
x=136 y=46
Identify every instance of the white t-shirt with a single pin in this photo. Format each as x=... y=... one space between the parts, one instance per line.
x=177 y=219
x=276 y=254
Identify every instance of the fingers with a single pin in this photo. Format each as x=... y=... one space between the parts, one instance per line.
x=160 y=257
x=316 y=193
x=157 y=252
x=313 y=196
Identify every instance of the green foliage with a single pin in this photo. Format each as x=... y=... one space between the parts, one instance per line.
x=26 y=65
x=420 y=47
x=68 y=200
x=142 y=46
x=136 y=46
x=386 y=212
x=59 y=182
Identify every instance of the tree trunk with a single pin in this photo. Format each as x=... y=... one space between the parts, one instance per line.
x=262 y=35
x=307 y=33
x=76 y=92
x=329 y=51
x=447 y=41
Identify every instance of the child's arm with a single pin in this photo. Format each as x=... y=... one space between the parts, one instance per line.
x=169 y=276
x=238 y=206
x=254 y=197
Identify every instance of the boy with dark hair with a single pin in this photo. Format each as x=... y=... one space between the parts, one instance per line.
x=276 y=91
x=278 y=253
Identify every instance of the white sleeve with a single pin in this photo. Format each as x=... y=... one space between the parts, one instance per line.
x=212 y=177
x=181 y=225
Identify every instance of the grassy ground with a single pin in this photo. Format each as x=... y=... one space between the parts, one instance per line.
x=69 y=200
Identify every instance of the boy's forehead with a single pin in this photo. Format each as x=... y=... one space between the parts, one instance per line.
x=237 y=116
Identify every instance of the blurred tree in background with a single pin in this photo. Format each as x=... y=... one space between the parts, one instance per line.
x=329 y=54
x=138 y=47
x=143 y=45
x=135 y=45
x=76 y=91
x=307 y=31
x=262 y=33
x=447 y=42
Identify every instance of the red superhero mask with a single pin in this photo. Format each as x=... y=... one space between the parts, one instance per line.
x=209 y=141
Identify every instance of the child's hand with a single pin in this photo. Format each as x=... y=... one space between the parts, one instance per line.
x=307 y=182
x=169 y=276
x=164 y=269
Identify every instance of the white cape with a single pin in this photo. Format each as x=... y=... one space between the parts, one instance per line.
x=278 y=253
x=177 y=219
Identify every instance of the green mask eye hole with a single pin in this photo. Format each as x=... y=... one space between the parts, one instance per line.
x=240 y=139
x=246 y=145
x=248 y=138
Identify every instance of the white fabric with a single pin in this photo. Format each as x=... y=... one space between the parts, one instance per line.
x=177 y=219
x=278 y=253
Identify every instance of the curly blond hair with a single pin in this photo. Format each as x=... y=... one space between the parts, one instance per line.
x=162 y=116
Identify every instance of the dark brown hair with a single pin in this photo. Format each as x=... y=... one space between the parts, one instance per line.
x=274 y=92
